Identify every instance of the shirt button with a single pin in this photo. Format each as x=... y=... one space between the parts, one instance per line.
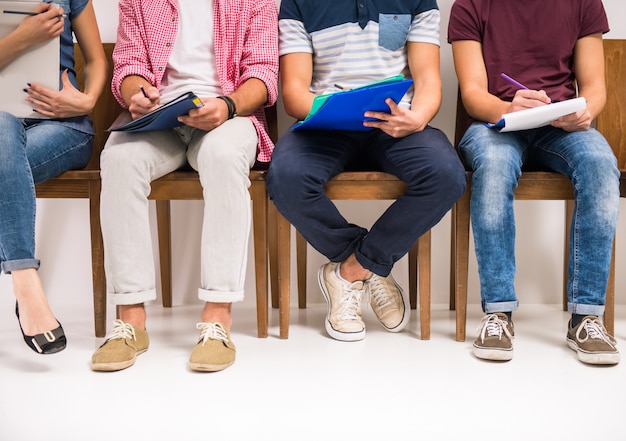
x=361 y=5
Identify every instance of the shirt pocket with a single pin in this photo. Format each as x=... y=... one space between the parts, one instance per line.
x=393 y=30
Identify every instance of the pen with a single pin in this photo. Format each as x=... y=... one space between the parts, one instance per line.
x=144 y=91
x=512 y=81
x=28 y=13
x=339 y=87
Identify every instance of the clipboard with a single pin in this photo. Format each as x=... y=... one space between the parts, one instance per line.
x=537 y=116
x=344 y=110
x=161 y=118
x=38 y=64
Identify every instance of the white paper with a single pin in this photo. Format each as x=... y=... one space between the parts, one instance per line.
x=539 y=116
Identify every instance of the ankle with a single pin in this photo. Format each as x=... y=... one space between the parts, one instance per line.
x=351 y=270
x=133 y=314
x=218 y=312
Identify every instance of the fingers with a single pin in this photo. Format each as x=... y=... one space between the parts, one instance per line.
x=144 y=101
x=531 y=98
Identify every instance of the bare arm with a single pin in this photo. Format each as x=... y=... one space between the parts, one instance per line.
x=88 y=37
x=589 y=68
x=32 y=30
x=424 y=67
x=296 y=74
x=472 y=74
x=69 y=101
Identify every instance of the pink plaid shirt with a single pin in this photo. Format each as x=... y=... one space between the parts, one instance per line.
x=246 y=46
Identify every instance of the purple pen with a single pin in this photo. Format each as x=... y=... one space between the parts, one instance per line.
x=512 y=81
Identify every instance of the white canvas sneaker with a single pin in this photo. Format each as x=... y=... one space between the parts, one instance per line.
x=389 y=302
x=343 y=317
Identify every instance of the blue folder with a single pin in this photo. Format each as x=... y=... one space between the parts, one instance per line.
x=344 y=110
x=164 y=117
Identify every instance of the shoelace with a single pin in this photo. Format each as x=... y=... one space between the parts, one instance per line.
x=121 y=330
x=350 y=301
x=377 y=291
x=212 y=331
x=596 y=331
x=493 y=326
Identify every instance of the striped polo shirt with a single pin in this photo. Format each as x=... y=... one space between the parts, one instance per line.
x=355 y=42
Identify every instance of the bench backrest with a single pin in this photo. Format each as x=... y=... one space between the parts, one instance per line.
x=106 y=109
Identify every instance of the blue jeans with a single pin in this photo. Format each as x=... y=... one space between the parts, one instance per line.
x=497 y=160
x=31 y=151
x=304 y=161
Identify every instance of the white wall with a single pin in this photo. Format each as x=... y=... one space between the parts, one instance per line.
x=63 y=229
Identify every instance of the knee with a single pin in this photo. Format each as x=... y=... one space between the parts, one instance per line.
x=118 y=166
x=12 y=136
x=495 y=172
x=9 y=123
x=597 y=183
x=284 y=172
x=223 y=164
x=453 y=177
x=443 y=174
x=285 y=176
x=222 y=156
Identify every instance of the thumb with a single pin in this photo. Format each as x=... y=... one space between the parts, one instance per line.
x=65 y=80
x=393 y=107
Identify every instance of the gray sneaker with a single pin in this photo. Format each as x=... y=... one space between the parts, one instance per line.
x=343 y=318
x=592 y=342
x=495 y=338
x=389 y=302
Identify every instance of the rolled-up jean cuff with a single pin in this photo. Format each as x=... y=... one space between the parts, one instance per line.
x=489 y=308
x=13 y=265
x=580 y=309
x=207 y=295
x=132 y=298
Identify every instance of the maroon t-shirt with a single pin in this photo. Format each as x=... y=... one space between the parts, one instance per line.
x=530 y=40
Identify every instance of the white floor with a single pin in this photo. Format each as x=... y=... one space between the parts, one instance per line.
x=310 y=387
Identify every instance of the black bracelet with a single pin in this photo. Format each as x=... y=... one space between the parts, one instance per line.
x=232 y=109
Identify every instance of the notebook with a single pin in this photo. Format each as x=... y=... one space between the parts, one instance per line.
x=38 y=64
x=164 y=117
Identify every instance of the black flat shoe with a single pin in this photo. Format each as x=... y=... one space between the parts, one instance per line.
x=47 y=343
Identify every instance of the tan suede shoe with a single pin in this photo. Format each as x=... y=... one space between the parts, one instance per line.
x=215 y=350
x=120 y=348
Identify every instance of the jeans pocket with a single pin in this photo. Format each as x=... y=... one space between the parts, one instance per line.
x=393 y=30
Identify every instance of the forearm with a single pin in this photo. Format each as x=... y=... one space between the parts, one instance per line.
x=298 y=103
x=424 y=65
x=95 y=78
x=596 y=99
x=131 y=85
x=427 y=99
x=483 y=106
x=10 y=47
x=249 y=96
